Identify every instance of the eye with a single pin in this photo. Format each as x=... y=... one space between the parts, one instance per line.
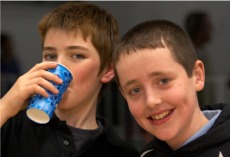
x=78 y=56
x=50 y=57
x=135 y=91
x=164 y=81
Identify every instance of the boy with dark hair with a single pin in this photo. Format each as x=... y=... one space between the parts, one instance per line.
x=162 y=92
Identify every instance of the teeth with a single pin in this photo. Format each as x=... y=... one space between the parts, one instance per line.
x=160 y=116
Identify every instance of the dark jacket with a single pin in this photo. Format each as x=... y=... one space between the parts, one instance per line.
x=215 y=143
x=20 y=137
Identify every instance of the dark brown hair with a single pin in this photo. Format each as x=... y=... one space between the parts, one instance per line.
x=158 y=34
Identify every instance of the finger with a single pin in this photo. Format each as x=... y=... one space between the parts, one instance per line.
x=38 y=90
x=45 y=75
x=38 y=83
x=52 y=77
x=43 y=66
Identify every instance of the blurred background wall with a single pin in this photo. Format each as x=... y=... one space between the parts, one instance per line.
x=20 y=20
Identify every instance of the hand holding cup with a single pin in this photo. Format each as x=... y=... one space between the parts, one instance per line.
x=41 y=109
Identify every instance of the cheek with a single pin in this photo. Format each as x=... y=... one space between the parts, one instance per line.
x=177 y=95
x=87 y=72
x=182 y=97
x=135 y=109
x=178 y=92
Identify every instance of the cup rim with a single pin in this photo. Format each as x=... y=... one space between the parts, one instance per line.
x=66 y=68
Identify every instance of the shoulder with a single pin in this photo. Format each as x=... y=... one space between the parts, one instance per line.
x=20 y=124
x=16 y=121
x=113 y=141
x=221 y=106
x=111 y=135
x=224 y=148
x=225 y=111
x=15 y=128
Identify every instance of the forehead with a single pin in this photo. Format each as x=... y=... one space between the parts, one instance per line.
x=155 y=56
x=60 y=39
x=71 y=36
x=146 y=62
x=71 y=33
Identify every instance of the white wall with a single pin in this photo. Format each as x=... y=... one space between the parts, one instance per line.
x=20 y=19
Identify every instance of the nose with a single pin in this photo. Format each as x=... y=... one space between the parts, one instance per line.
x=153 y=98
x=62 y=60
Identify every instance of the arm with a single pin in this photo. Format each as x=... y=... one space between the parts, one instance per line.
x=34 y=81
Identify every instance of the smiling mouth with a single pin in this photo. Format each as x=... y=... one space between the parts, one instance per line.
x=161 y=115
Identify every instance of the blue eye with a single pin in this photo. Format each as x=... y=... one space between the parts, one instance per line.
x=135 y=91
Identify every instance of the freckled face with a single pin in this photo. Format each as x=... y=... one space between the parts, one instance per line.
x=160 y=95
x=82 y=59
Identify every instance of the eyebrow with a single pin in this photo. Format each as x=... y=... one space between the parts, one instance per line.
x=74 y=47
x=157 y=73
x=130 y=82
x=153 y=74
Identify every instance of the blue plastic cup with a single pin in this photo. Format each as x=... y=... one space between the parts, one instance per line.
x=41 y=109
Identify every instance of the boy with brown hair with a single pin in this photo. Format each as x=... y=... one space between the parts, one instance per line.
x=82 y=37
x=162 y=92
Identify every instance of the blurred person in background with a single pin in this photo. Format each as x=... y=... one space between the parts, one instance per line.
x=10 y=66
x=199 y=26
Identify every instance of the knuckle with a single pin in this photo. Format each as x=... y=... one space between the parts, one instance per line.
x=38 y=65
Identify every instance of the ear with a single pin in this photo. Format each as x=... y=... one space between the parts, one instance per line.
x=108 y=74
x=199 y=75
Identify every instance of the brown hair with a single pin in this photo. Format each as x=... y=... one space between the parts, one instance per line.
x=158 y=34
x=91 y=20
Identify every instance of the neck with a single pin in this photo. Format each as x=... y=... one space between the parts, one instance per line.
x=197 y=122
x=84 y=118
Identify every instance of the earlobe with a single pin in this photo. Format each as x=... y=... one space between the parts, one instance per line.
x=108 y=74
x=199 y=74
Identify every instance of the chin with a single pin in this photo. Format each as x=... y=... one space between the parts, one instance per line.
x=61 y=106
x=164 y=136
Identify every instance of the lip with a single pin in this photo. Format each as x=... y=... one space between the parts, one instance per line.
x=161 y=117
